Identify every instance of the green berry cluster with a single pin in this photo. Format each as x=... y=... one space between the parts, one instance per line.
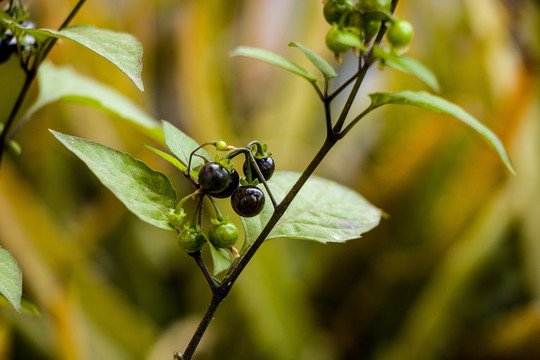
x=218 y=179
x=362 y=21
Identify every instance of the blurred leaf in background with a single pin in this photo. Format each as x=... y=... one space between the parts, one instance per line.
x=452 y=273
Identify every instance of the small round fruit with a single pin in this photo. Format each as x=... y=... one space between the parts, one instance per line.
x=400 y=34
x=233 y=184
x=213 y=177
x=266 y=165
x=354 y=23
x=371 y=27
x=191 y=240
x=223 y=235
x=332 y=41
x=334 y=9
x=372 y=6
x=247 y=201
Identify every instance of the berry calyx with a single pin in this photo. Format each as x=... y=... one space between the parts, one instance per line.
x=266 y=166
x=213 y=177
x=400 y=34
x=247 y=201
x=191 y=240
x=223 y=234
x=233 y=184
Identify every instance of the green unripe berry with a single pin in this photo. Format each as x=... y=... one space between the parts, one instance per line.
x=221 y=145
x=371 y=27
x=191 y=240
x=400 y=34
x=333 y=43
x=223 y=234
x=372 y=6
x=334 y=9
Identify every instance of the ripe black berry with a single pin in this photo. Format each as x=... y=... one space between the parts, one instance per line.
x=266 y=165
x=8 y=46
x=233 y=184
x=247 y=201
x=213 y=177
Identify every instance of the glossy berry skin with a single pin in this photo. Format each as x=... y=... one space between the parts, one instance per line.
x=334 y=9
x=332 y=41
x=233 y=184
x=5 y=50
x=8 y=46
x=213 y=177
x=400 y=34
x=247 y=201
x=266 y=165
x=223 y=235
x=191 y=240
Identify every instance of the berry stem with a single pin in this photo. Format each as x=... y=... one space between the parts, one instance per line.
x=219 y=215
x=200 y=262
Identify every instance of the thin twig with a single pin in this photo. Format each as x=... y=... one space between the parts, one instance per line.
x=200 y=262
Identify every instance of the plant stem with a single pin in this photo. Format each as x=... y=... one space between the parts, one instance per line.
x=203 y=325
x=199 y=260
x=14 y=111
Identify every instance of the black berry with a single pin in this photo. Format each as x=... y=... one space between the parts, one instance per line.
x=266 y=165
x=213 y=177
x=233 y=184
x=247 y=201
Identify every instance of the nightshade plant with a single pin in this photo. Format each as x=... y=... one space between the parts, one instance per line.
x=272 y=204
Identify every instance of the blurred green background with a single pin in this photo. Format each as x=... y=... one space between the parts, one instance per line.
x=452 y=273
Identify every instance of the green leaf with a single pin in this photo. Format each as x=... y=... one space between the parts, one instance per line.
x=442 y=106
x=409 y=66
x=273 y=59
x=182 y=145
x=145 y=192
x=65 y=84
x=167 y=157
x=319 y=62
x=123 y=50
x=221 y=258
x=323 y=211
x=10 y=279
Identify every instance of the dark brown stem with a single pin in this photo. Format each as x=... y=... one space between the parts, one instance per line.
x=199 y=260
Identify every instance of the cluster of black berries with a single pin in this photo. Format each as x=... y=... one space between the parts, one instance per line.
x=219 y=179
x=219 y=182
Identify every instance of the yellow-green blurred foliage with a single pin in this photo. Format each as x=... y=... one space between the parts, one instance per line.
x=452 y=273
